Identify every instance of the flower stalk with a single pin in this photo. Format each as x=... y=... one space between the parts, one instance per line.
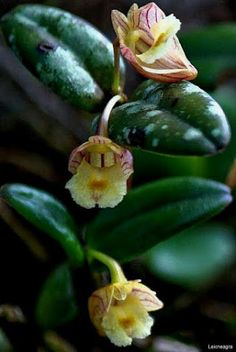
x=103 y=124
x=114 y=268
x=116 y=88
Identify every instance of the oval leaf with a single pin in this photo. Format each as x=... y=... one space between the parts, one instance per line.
x=212 y=50
x=152 y=213
x=150 y=166
x=194 y=258
x=63 y=51
x=47 y=214
x=57 y=301
x=177 y=118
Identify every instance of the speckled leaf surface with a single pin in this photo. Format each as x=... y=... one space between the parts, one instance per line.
x=177 y=118
x=47 y=214
x=65 y=52
x=154 y=212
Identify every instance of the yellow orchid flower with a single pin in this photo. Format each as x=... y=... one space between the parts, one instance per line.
x=101 y=169
x=148 y=40
x=120 y=311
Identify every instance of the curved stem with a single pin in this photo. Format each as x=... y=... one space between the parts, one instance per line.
x=103 y=125
x=114 y=268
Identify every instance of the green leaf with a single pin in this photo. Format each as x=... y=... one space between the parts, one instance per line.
x=57 y=301
x=65 y=52
x=218 y=166
x=177 y=119
x=194 y=258
x=149 y=166
x=5 y=345
x=212 y=49
x=152 y=213
x=47 y=214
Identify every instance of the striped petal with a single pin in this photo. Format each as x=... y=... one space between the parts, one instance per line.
x=163 y=33
x=149 y=15
x=120 y=23
x=98 y=304
x=146 y=296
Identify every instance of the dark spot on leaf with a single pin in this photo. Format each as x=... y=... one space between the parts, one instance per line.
x=174 y=101
x=46 y=47
x=136 y=136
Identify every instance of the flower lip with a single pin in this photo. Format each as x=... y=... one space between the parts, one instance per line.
x=148 y=41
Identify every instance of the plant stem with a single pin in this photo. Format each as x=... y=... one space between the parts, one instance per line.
x=116 y=79
x=103 y=125
x=115 y=269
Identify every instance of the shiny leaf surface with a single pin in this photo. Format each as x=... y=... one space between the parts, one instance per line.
x=65 y=52
x=47 y=214
x=152 y=213
x=177 y=119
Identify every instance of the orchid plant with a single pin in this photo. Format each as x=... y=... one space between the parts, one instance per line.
x=165 y=115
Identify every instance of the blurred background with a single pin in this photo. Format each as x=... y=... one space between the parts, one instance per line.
x=194 y=273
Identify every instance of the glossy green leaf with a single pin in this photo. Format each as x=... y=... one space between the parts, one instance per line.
x=212 y=50
x=152 y=213
x=149 y=166
x=177 y=119
x=47 y=214
x=195 y=257
x=218 y=166
x=65 y=52
x=57 y=300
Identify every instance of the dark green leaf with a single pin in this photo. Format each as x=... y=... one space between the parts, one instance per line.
x=177 y=118
x=57 y=300
x=67 y=54
x=194 y=258
x=154 y=212
x=218 y=166
x=212 y=49
x=149 y=166
x=47 y=214
x=5 y=345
